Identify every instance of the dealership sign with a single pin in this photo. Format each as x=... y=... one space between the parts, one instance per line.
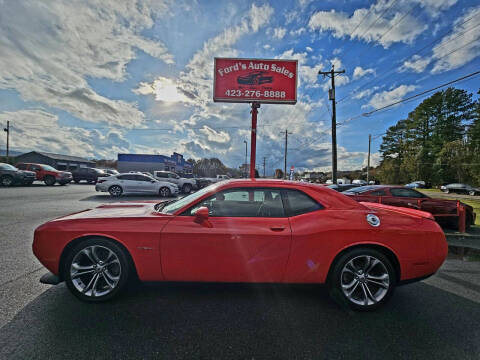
x=255 y=80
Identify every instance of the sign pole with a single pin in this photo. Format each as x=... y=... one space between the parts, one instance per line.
x=253 y=141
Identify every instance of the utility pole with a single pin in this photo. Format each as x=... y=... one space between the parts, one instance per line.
x=286 y=147
x=246 y=149
x=368 y=161
x=264 y=158
x=7 y=130
x=331 y=96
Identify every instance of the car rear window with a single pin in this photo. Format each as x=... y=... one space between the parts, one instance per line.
x=300 y=203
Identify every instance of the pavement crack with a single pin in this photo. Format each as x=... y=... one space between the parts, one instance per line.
x=21 y=276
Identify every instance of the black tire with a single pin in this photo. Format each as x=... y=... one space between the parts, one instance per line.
x=337 y=275
x=76 y=181
x=6 y=180
x=446 y=191
x=471 y=193
x=121 y=269
x=115 y=190
x=187 y=188
x=164 y=192
x=49 y=180
x=28 y=183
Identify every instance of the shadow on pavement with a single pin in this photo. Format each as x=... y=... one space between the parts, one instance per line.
x=183 y=320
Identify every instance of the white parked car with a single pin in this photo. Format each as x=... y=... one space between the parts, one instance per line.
x=135 y=183
x=185 y=185
x=359 y=182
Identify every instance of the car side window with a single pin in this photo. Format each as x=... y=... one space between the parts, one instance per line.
x=126 y=177
x=398 y=192
x=246 y=202
x=162 y=175
x=142 y=178
x=378 y=193
x=300 y=203
x=35 y=168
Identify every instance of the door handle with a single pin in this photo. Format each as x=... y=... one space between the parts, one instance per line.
x=277 y=228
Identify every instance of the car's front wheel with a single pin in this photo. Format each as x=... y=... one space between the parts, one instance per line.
x=363 y=278
x=115 y=190
x=164 y=191
x=7 y=180
x=49 y=180
x=96 y=270
x=187 y=188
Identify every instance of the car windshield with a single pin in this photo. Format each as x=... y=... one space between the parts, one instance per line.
x=48 y=168
x=7 y=167
x=359 y=190
x=172 y=207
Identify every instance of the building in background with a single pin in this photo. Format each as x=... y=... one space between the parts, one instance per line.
x=145 y=162
x=58 y=161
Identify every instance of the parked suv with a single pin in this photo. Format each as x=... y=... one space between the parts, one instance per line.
x=185 y=185
x=47 y=174
x=90 y=175
x=10 y=175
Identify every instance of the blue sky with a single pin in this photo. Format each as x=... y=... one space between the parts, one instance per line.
x=94 y=78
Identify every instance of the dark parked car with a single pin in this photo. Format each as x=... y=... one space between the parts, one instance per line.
x=10 y=175
x=460 y=189
x=343 y=187
x=255 y=78
x=444 y=211
x=90 y=175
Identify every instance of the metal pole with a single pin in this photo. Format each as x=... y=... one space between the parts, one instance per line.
x=7 y=130
x=246 y=154
x=368 y=161
x=286 y=145
x=253 y=141
x=264 y=166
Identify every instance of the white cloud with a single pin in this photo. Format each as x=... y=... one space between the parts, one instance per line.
x=50 y=49
x=365 y=93
x=461 y=46
x=279 y=33
x=387 y=97
x=309 y=49
x=297 y=32
x=416 y=64
x=164 y=90
x=379 y=26
x=359 y=72
x=36 y=129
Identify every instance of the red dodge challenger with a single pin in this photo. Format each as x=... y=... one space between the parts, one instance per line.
x=262 y=231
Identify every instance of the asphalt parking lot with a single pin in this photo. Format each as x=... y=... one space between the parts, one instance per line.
x=435 y=319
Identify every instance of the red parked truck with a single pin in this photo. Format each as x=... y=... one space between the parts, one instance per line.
x=46 y=173
x=446 y=212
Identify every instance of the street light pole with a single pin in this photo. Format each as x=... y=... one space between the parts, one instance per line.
x=246 y=149
x=368 y=161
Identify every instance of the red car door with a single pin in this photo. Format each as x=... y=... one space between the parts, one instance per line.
x=246 y=238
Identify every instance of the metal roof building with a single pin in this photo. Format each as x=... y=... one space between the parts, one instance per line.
x=58 y=161
x=151 y=163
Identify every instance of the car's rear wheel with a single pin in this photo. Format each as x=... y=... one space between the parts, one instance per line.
x=7 y=180
x=49 y=180
x=187 y=188
x=164 y=191
x=96 y=270
x=363 y=278
x=76 y=181
x=115 y=190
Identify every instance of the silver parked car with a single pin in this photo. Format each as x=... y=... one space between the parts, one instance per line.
x=135 y=183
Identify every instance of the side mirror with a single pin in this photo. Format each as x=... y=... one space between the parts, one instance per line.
x=152 y=181
x=201 y=215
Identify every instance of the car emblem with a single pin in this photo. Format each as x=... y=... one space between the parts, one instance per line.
x=373 y=220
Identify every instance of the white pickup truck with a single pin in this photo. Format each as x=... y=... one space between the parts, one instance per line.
x=184 y=185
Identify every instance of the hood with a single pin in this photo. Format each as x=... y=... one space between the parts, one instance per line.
x=117 y=210
x=399 y=210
